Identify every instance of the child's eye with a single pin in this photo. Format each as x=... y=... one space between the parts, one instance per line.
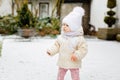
x=67 y=25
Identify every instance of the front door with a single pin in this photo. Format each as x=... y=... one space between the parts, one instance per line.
x=86 y=18
x=67 y=7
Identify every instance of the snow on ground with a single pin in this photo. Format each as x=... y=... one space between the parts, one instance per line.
x=27 y=60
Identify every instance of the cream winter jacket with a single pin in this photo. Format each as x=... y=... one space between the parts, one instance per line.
x=66 y=47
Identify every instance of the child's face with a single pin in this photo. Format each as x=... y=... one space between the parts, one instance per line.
x=66 y=27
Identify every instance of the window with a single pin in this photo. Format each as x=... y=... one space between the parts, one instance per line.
x=43 y=10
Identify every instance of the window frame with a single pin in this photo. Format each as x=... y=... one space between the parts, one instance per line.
x=45 y=3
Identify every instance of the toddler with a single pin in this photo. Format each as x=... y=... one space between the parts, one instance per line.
x=70 y=45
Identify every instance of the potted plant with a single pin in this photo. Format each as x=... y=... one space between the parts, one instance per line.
x=8 y=25
x=110 y=32
x=49 y=26
x=26 y=21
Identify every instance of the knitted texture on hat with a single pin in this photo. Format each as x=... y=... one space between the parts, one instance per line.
x=74 y=19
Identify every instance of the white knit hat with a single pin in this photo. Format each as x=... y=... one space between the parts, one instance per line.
x=74 y=19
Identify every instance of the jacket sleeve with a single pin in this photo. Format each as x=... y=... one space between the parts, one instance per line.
x=54 y=48
x=81 y=49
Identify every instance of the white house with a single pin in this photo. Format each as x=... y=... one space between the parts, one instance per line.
x=98 y=9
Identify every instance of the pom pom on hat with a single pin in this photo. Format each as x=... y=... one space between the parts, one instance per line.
x=79 y=10
x=74 y=18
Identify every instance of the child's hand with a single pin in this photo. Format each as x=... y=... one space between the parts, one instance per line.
x=73 y=57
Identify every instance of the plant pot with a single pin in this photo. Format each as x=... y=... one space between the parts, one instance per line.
x=55 y=32
x=3 y=31
x=107 y=33
x=118 y=37
x=26 y=33
x=42 y=33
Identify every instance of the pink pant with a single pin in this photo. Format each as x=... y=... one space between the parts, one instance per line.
x=74 y=73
